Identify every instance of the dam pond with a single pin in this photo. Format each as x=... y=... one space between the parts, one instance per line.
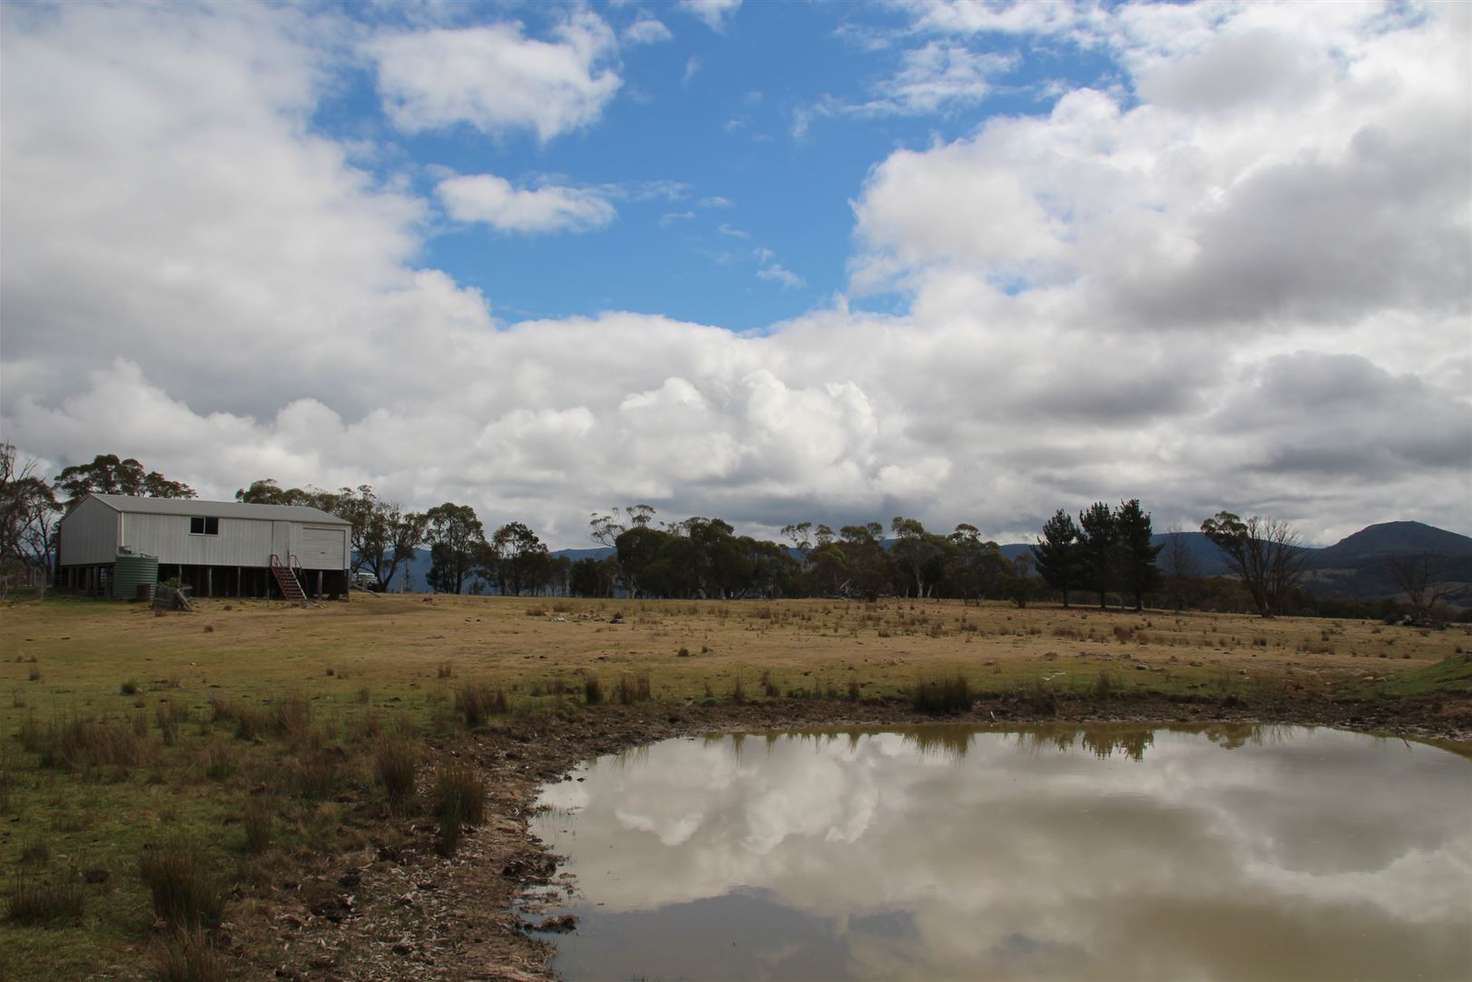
x=941 y=852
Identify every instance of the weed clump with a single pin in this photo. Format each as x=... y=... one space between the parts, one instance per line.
x=189 y=956
x=84 y=742
x=476 y=701
x=632 y=689
x=129 y=688
x=184 y=891
x=592 y=691
x=943 y=696
x=459 y=800
x=258 y=825
x=169 y=715
x=395 y=762
x=44 y=902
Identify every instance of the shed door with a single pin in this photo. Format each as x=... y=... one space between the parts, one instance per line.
x=320 y=548
x=281 y=540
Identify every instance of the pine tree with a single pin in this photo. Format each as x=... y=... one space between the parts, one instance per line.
x=1057 y=554
x=1099 y=548
x=1138 y=570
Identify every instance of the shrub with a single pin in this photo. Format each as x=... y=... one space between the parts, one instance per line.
x=189 y=956
x=738 y=692
x=592 y=690
x=853 y=690
x=395 y=762
x=632 y=689
x=258 y=825
x=129 y=688
x=53 y=900
x=459 y=800
x=475 y=701
x=444 y=671
x=943 y=696
x=184 y=891
x=1105 y=685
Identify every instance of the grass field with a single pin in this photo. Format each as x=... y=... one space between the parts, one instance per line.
x=256 y=733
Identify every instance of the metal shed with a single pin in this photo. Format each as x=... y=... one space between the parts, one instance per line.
x=219 y=548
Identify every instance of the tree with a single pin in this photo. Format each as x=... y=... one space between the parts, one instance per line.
x=1263 y=553
x=869 y=567
x=107 y=474
x=520 y=557
x=914 y=552
x=454 y=534
x=1417 y=577
x=1138 y=572
x=1018 y=583
x=973 y=567
x=593 y=577
x=1059 y=554
x=1099 y=548
x=29 y=517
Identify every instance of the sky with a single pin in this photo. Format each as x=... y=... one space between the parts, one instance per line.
x=825 y=261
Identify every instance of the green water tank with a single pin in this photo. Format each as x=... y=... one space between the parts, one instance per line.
x=131 y=571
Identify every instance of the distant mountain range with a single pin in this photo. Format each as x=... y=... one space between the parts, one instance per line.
x=1354 y=566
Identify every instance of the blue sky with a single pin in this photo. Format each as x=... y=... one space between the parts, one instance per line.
x=960 y=260
x=706 y=159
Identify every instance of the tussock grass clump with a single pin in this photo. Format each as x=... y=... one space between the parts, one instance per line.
x=395 y=762
x=258 y=825
x=50 y=901
x=218 y=763
x=316 y=776
x=1105 y=685
x=770 y=688
x=592 y=690
x=444 y=671
x=738 y=692
x=943 y=696
x=632 y=689
x=183 y=888
x=82 y=742
x=189 y=956
x=459 y=800
x=475 y=701
x=129 y=688
x=35 y=854
x=1123 y=633
x=169 y=715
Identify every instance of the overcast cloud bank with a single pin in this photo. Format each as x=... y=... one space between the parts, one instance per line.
x=1240 y=278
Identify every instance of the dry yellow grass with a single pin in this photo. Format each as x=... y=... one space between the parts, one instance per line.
x=397 y=647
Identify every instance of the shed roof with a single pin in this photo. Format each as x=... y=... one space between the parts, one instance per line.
x=222 y=509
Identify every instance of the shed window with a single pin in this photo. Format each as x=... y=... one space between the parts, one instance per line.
x=201 y=525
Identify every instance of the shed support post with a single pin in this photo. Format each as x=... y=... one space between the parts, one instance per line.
x=209 y=581
x=319 y=584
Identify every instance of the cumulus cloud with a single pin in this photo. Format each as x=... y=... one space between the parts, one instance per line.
x=1162 y=296
x=496 y=79
x=647 y=30
x=492 y=200
x=716 y=13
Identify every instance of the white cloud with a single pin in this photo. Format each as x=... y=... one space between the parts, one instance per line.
x=937 y=77
x=715 y=201
x=692 y=67
x=496 y=79
x=778 y=273
x=492 y=200
x=671 y=217
x=1102 y=302
x=647 y=30
x=732 y=231
x=716 y=13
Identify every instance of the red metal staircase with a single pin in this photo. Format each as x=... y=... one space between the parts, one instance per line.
x=291 y=587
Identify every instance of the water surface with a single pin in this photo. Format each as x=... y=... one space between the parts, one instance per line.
x=948 y=853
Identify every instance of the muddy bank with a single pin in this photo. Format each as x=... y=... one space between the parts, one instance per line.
x=395 y=909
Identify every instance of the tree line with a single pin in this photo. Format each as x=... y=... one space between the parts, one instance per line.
x=1106 y=551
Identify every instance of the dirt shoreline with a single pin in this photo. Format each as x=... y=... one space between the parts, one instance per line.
x=403 y=912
